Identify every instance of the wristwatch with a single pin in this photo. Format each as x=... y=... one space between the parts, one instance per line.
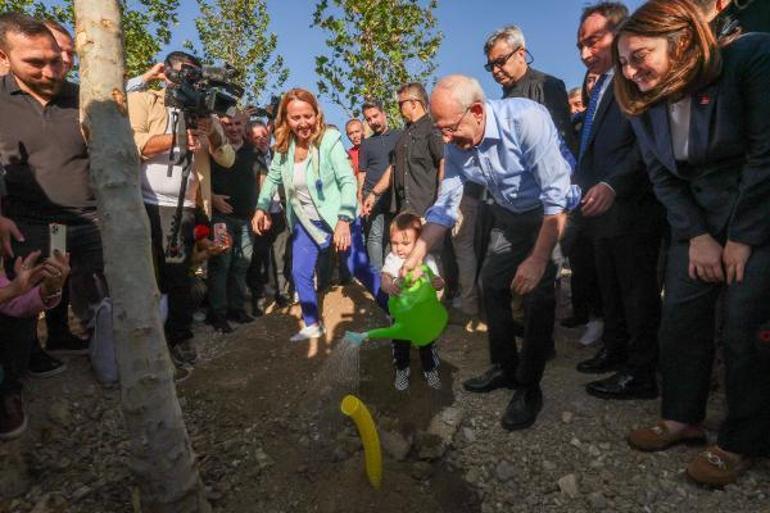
x=345 y=218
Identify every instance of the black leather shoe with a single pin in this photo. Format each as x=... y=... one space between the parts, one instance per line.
x=601 y=363
x=492 y=379
x=574 y=322
x=624 y=386
x=239 y=316
x=523 y=408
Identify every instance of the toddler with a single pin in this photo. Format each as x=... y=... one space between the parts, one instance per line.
x=404 y=232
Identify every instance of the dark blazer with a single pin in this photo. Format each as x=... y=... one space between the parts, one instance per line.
x=552 y=94
x=724 y=187
x=612 y=156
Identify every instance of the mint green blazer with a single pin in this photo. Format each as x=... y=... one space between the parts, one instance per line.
x=330 y=180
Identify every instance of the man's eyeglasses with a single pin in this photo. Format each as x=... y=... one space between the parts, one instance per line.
x=449 y=130
x=500 y=61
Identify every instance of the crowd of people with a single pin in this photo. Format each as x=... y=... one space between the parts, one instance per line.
x=651 y=181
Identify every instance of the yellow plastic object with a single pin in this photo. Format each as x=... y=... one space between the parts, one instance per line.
x=357 y=410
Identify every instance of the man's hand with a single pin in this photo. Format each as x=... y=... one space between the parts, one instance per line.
x=8 y=229
x=706 y=259
x=342 y=235
x=261 y=222
x=597 y=200
x=154 y=73
x=220 y=203
x=437 y=282
x=389 y=286
x=734 y=257
x=528 y=275
x=368 y=205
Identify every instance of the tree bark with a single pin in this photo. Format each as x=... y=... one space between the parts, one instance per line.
x=162 y=458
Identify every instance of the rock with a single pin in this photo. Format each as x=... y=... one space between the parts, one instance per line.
x=395 y=444
x=304 y=442
x=569 y=486
x=81 y=492
x=429 y=446
x=567 y=416
x=421 y=470
x=445 y=424
x=575 y=442
x=549 y=465
x=60 y=414
x=472 y=476
x=469 y=434
x=263 y=459
x=594 y=451
x=597 y=500
x=504 y=471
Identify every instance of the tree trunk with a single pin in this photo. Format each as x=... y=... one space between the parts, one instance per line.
x=162 y=458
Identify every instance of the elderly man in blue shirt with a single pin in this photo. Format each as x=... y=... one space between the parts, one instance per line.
x=512 y=148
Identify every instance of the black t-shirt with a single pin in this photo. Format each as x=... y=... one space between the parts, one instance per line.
x=44 y=156
x=416 y=160
x=239 y=181
x=375 y=156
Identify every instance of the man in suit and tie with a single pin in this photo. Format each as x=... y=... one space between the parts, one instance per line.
x=623 y=219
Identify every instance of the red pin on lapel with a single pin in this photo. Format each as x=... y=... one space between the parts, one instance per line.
x=705 y=99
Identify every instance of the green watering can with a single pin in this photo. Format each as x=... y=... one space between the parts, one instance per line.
x=419 y=316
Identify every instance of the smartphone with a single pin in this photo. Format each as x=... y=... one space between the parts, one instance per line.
x=57 y=236
x=220 y=233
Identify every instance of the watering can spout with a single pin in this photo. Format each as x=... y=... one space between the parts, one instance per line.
x=394 y=331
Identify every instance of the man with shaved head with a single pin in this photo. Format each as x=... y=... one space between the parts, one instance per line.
x=512 y=148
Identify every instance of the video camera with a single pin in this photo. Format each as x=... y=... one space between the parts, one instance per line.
x=202 y=91
x=269 y=111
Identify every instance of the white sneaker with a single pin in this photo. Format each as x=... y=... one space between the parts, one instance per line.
x=402 y=379
x=593 y=332
x=434 y=381
x=308 y=332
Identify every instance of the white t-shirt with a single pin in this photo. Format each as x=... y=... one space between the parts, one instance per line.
x=393 y=264
x=302 y=192
x=160 y=189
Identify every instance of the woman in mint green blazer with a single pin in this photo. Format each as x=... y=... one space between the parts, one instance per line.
x=321 y=207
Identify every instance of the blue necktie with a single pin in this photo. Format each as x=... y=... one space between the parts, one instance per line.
x=588 y=120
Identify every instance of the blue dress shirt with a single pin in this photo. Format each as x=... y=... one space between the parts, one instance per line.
x=519 y=161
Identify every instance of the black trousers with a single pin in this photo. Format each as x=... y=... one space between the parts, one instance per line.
x=17 y=335
x=428 y=356
x=512 y=239
x=584 y=282
x=627 y=273
x=173 y=272
x=271 y=259
x=687 y=350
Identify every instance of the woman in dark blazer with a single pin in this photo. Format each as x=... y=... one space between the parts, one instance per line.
x=702 y=117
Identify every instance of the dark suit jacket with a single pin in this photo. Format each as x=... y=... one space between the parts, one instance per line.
x=612 y=156
x=724 y=187
x=552 y=94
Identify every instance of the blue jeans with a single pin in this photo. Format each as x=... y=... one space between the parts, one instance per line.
x=305 y=253
x=376 y=224
x=227 y=272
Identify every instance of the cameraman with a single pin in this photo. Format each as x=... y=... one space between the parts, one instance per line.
x=155 y=135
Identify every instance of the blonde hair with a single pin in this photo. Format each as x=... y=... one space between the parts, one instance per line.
x=283 y=133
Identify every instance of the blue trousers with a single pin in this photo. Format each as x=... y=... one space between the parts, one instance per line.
x=305 y=253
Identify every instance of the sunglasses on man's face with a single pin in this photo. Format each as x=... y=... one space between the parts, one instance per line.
x=500 y=61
